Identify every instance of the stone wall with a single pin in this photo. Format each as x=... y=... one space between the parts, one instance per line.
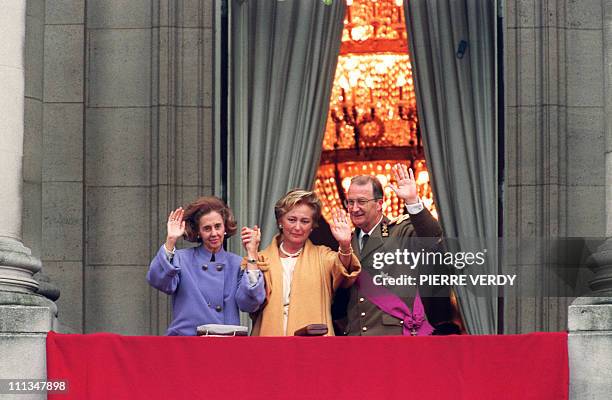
x=33 y=117
x=125 y=135
x=554 y=139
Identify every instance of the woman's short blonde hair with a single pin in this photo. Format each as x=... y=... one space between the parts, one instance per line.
x=297 y=197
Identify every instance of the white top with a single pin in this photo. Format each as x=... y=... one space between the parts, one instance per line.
x=288 y=267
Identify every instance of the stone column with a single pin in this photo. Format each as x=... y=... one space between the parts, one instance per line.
x=25 y=317
x=601 y=262
x=16 y=263
x=590 y=317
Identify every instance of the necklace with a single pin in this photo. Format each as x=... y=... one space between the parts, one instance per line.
x=292 y=255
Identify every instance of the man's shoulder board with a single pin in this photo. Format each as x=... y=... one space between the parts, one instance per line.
x=400 y=219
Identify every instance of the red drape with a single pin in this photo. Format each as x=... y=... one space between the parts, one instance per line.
x=108 y=366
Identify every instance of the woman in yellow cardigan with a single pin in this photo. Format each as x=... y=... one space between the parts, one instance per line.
x=300 y=277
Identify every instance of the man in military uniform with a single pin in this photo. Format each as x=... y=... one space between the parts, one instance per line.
x=377 y=233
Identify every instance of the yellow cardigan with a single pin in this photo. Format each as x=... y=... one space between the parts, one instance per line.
x=317 y=274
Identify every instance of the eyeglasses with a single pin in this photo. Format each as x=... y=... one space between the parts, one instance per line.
x=360 y=202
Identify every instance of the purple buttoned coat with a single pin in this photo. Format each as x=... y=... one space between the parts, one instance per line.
x=204 y=292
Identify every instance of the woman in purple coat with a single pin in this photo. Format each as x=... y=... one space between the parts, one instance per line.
x=206 y=282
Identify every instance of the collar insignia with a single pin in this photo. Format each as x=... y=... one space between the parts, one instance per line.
x=384 y=229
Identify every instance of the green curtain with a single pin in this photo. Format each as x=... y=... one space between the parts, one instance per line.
x=456 y=101
x=283 y=56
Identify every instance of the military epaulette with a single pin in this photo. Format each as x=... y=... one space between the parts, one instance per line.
x=400 y=219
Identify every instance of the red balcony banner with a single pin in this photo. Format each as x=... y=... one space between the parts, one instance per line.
x=109 y=366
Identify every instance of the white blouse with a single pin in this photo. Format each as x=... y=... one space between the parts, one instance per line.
x=288 y=267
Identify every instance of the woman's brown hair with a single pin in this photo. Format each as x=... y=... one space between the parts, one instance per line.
x=203 y=206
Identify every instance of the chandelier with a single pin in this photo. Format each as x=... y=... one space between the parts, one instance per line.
x=372 y=122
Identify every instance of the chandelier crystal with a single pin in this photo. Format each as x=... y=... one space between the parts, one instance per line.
x=372 y=122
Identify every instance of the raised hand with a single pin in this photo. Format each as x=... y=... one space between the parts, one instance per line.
x=406 y=188
x=340 y=228
x=176 y=227
x=251 y=237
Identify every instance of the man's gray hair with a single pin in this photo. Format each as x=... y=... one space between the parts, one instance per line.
x=377 y=188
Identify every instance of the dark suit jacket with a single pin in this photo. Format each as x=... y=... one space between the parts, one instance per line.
x=363 y=317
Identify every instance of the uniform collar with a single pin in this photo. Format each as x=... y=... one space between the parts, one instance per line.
x=361 y=232
x=375 y=241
